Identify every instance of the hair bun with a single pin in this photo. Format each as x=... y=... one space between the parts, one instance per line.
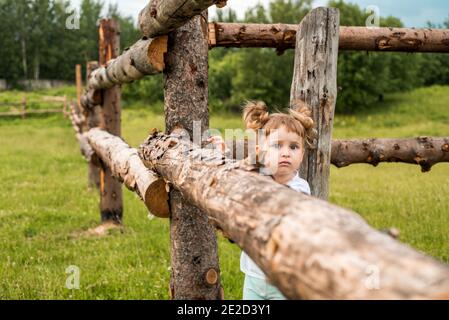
x=301 y=111
x=255 y=114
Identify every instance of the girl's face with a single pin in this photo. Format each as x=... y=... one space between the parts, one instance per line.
x=283 y=152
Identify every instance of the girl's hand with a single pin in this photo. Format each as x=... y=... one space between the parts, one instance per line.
x=218 y=143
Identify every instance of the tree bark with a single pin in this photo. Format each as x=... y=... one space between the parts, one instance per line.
x=315 y=82
x=309 y=248
x=424 y=151
x=111 y=202
x=194 y=254
x=160 y=17
x=127 y=168
x=145 y=57
x=283 y=36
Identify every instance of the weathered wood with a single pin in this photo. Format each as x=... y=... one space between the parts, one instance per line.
x=25 y=112
x=309 y=248
x=111 y=202
x=283 y=36
x=145 y=57
x=79 y=84
x=193 y=241
x=315 y=82
x=394 y=39
x=127 y=168
x=424 y=151
x=160 y=17
x=91 y=109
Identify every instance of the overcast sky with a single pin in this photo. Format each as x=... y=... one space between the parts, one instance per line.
x=413 y=13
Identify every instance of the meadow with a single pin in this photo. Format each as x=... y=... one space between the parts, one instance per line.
x=45 y=204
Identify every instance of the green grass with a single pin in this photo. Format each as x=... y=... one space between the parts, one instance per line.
x=45 y=203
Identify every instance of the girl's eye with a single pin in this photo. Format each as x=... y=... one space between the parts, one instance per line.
x=294 y=147
x=276 y=145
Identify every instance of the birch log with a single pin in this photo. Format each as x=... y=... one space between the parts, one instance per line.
x=307 y=247
x=126 y=167
x=160 y=17
x=78 y=123
x=283 y=36
x=195 y=272
x=145 y=57
x=315 y=82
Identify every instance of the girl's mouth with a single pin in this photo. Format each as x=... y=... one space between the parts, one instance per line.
x=284 y=163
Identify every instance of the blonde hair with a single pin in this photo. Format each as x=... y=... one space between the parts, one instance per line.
x=297 y=120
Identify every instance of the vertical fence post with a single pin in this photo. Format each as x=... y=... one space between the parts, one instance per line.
x=92 y=121
x=111 y=202
x=24 y=106
x=315 y=82
x=195 y=272
x=79 y=85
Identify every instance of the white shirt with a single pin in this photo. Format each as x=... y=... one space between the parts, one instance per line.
x=247 y=265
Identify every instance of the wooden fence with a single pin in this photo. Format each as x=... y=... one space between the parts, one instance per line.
x=21 y=108
x=307 y=247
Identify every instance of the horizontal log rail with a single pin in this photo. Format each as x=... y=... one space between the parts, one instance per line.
x=78 y=124
x=126 y=166
x=283 y=36
x=145 y=57
x=307 y=247
x=161 y=17
x=423 y=151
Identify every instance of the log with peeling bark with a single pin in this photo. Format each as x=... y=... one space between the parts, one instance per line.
x=283 y=36
x=160 y=17
x=195 y=271
x=127 y=167
x=78 y=122
x=91 y=109
x=307 y=247
x=91 y=98
x=145 y=57
x=424 y=151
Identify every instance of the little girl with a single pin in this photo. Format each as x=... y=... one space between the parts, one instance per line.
x=281 y=151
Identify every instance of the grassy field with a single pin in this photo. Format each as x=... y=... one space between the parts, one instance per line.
x=45 y=204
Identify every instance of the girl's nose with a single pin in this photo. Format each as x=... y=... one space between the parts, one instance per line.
x=285 y=152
